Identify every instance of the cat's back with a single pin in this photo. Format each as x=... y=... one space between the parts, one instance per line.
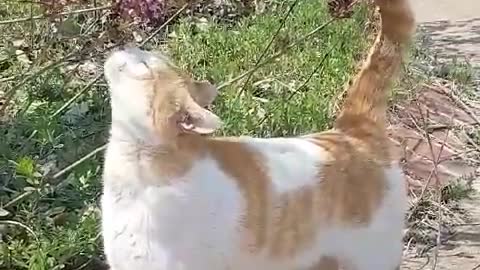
x=246 y=201
x=221 y=211
x=300 y=193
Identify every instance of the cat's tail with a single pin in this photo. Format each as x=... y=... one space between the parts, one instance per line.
x=366 y=101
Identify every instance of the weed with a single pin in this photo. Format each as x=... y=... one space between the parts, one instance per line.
x=458 y=71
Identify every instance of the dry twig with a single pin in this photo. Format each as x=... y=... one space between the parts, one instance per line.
x=39 y=17
x=275 y=56
x=459 y=102
x=299 y=89
x=435 y=160
x=265 y=50
x=79 y=161
x=439 y=189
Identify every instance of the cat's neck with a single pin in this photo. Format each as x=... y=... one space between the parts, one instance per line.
x=150 y=142
x=133 y=139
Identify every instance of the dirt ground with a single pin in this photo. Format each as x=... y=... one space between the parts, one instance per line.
x=454 y=29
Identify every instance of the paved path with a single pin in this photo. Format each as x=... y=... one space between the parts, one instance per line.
x=454 y=27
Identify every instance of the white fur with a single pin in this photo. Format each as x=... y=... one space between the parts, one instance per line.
x=128 y=73
x=188 y=225
x=192 y=224
x=287 y=159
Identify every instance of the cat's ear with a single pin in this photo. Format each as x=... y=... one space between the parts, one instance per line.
x=203 y=92
x=196 y=119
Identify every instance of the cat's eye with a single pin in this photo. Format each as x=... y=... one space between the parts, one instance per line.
x=140 y=71
x=122 y=67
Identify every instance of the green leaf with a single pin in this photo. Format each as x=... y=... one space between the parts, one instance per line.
x=26 y=167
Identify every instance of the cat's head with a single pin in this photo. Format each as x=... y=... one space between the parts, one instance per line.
x=149 y=95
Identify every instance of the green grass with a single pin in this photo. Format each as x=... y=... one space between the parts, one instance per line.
x=62 y=214
x=457 y=71
x=218 y=55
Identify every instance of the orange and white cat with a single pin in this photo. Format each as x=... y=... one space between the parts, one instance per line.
x=176 y=199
